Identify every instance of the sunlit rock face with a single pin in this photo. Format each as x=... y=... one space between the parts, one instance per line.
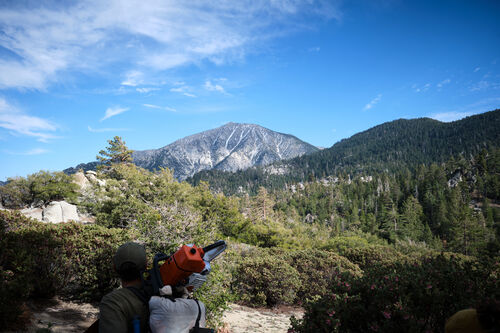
x=230 y=147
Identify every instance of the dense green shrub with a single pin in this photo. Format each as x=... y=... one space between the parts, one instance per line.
x=67 y=259
x=40 y=187
x=277 y=276
x=350 y=240
x=12 y=291
x=42 y=260
x=48 y=186
x=267 y=280
x=316 y=270
x=216 y=293
x=13 y=295
x=16 y=193
x=366 y=257
x=409 y=297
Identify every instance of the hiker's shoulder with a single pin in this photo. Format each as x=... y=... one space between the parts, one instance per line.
x=120 y=295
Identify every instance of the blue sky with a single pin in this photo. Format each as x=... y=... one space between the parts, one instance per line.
x=74 y=74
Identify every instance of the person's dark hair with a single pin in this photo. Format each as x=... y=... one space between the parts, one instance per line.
x=488 y=315
x=128 y=271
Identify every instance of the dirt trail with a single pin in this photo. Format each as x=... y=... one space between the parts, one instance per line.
x=242 y=319
x=62 y=316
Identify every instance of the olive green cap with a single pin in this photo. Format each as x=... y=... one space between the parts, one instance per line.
x=130 y=252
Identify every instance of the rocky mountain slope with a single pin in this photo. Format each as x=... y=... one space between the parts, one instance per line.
x=230 y=147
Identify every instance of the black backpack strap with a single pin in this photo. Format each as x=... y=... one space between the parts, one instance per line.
x=197 y=325
x=197 y=328
x=144 y=298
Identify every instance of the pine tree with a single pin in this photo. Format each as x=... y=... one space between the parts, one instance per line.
x=116 y=152
x=263 y=204
x=411 y=220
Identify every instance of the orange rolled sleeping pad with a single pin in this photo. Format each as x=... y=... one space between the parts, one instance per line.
x=179 y=266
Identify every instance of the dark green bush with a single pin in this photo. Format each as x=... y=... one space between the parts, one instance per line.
x=43 y=186
x=317 y=269
x=67 y=259
x=277 y=276
x=215 y=293
x=12 y=289
x=266 y=279
x=408 y=297
x=42 y=260
x=16 y=193
x=366 y=257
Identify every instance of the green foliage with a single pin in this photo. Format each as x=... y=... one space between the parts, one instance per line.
x=171 y=226
x=316 y=269
x=367 y=257
x=215 y=294
x=116 y=152
x=267 y=280
x=42 y=260
x=273 y=276
x=410 y=297
x=13 y=295
x=12 y=289
x=41 y=188
x=16 y=193
x=340 y=244
x=48 y=186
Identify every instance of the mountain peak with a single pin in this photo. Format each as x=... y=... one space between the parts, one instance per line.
x=230 y=147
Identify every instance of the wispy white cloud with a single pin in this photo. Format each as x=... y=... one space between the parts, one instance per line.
x=314 y=49
x=484 y=84
x=152 y=106
x=477 y=69
x=35 y=151
x=425 y=87
x=184 y=90
x=213 y=87
x=61 y=38
x=442 y=83
x=102 y=130
x=132 y=79
x=146 y=90
x=20 y=123
x=373 y=102
x=113 y=111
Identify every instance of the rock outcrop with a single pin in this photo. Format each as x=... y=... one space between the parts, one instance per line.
x=57 y=212
x=81 y=180
x=60 y=211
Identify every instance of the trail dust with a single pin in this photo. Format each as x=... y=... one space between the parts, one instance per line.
x=55 y=315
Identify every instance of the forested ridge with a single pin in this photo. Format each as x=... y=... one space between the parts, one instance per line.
x=384 y=148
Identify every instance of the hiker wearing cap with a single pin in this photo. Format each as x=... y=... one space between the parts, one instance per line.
x=126 y=309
